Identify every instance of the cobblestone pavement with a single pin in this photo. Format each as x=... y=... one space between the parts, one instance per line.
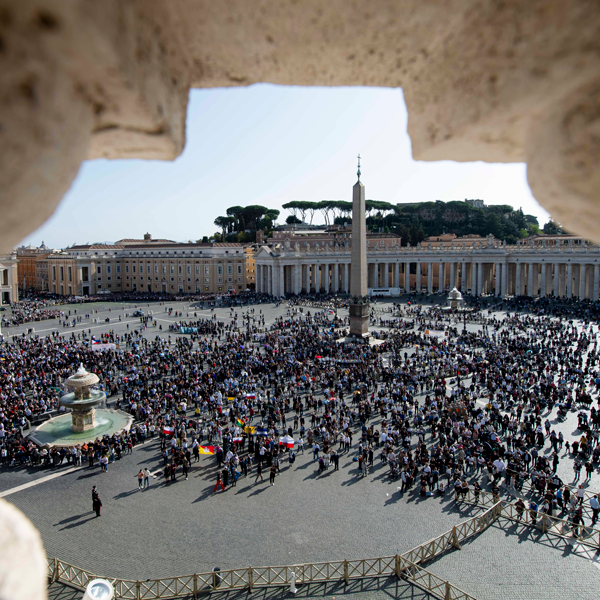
x=185 y=527
x=512 y=561
x=306 y=517
x=360 y=589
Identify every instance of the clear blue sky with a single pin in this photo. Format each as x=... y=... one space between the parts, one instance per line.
x=268 y=145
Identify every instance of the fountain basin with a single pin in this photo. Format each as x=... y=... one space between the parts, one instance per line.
x=58 y=432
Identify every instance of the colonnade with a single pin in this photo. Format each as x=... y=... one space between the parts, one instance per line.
x=470 y=275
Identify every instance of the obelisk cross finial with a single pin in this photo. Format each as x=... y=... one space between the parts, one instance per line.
x=358 y=172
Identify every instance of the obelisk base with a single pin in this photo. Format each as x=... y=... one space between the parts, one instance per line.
x=359 y=319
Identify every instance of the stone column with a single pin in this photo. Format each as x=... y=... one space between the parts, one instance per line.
x=479 y=278
x=543 y=280
x=474 y=279
x=258 y=272
x=336 y=278
x=345 y=287
x=442 y=277
x=569 y=280
x=530 y=280
x=596 y=283
x=505 y=268
x=325 y=274
x=430 y=278
x=418 y=279
x=582 y=282
x=396 y=274
x=386 y=275
x=498 y=282
x=282 y=280
x=407 y=277
x=556 y=280
x=452 y=275
x=518 y=279
x=270 y=279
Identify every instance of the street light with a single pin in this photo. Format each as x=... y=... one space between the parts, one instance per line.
x=99 y=589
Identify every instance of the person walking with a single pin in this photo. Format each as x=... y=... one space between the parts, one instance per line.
x=146 y=478
x=272 y=473
x=96 y=502
x=219 y=482
x=140 y=477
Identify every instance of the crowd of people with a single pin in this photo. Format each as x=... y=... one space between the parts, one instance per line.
x=469 y=409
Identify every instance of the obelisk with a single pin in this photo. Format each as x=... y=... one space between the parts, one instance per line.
x=359 y=306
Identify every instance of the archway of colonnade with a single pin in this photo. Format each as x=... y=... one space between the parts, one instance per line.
x=563 y=277
x=494 y=81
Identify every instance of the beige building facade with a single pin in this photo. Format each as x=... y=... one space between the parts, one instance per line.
x=9 y=280
x=169 y=268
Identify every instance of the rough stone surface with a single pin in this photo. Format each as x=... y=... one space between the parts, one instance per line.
x=22 y=557
x=495 y=81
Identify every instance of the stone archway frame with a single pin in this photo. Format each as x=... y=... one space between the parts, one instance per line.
x=494 y=81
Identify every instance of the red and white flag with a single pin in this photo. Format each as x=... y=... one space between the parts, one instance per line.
x=237 y=440
x=168 y=430
x=251 y=396
x=287 y=441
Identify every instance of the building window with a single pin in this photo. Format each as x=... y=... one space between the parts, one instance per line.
x=229 y=269
x=148 y=270
x=133 y=268
x=108 y=268
x=70 y=273
x=126 y=268
x=207 y=280
x=54 y=276
x=239 y=269
x=118 y=267
x=206 y=270
x=172 y=270
x=197 y=270
x=219 y=270
x=164 y=269
x=156 y=269
x=62 y=273
x=180 y=269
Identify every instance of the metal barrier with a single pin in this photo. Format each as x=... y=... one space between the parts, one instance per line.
x=585 y=534
x=407 y=565
x=430 y=582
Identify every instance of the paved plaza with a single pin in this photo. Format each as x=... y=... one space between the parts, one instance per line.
x=184 y=527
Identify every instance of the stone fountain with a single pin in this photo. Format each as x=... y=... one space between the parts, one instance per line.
x=82 y=400
x=87 y=421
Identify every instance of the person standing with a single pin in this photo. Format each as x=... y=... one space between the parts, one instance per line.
x=259 y=472
x=140 y=478
x=219 y=482
x=146 y=478
x=96 y=502
x=595 y=506
x=272 y=473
